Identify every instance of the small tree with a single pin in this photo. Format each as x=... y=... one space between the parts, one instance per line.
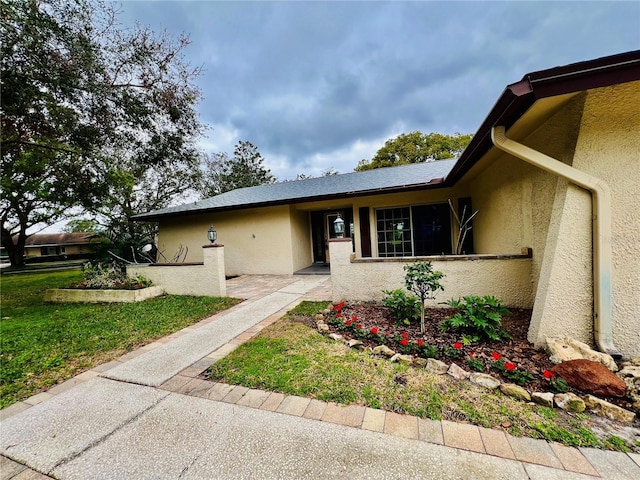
x=421 y=279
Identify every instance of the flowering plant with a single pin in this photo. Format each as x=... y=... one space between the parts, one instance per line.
x=510 y=370
x=475 y=363
x=453 y=352
x=556 y=383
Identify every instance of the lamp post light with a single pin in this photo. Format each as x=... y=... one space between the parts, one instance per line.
x=338 y=226
x=212 y=235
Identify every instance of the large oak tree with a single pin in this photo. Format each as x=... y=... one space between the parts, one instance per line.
x=416 y=147
x=94 y=117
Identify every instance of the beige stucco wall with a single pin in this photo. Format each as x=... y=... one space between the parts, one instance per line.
x=522 y=206
x=257 y=240
x=206 y=280
x=364 y=280
x=608 y=148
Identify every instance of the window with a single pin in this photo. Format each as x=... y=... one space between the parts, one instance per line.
x=414 y=231
x=394 y=232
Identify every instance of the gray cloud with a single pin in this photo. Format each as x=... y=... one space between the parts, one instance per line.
x=305 y=79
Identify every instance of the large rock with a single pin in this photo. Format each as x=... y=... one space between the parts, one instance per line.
x=563 y=349
x=337 y=337
x=515 y=391
x=436 y=366
x=591 y=377
x=609 y=410
x=458 y=373
x=322 y=327
x=353 y=343
x=570 y=402
x=383 y=350
x=420 y=362
x=484 y=380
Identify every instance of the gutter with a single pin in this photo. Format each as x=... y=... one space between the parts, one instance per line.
x=601 y=207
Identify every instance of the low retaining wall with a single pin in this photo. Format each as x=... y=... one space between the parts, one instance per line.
x=77 y=295
x=507 y=277
x=200 y=280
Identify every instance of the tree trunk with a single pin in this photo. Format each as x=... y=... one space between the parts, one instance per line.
x=15 y=250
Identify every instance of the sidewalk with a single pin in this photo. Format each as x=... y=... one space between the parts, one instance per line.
x=147 y=415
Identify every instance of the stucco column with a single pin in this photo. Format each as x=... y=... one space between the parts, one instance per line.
x=340 y=251
x=213 y=257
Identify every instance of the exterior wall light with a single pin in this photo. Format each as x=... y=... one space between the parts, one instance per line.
x=212 y=235
x=338 y=225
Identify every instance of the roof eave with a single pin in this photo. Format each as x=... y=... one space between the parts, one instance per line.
x=517 y=98
x=434 y=183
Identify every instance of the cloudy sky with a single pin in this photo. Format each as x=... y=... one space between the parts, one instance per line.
x=316 y=85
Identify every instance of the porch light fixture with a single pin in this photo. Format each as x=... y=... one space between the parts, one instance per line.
x=338 y=225
x=212 y=235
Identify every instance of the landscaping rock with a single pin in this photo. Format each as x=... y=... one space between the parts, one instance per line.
x=515 y=391
x=322 y=327
x=458 y=373
x=563 y=349
x=569 y=402
x=395 y=358
x=405 y=359
x=543 y=398
x=420 y=362
x=609 y=410
x=319 y=317
x=355 y=343
x=630 y=375
x=591 y=377
x=436 y=366
x=337 y=337
x=383 y=350
x=484 y=380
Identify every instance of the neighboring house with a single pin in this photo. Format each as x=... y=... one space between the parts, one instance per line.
x=563 y=181
x=53 y=246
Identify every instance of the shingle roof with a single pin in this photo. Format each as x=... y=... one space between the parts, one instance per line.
x=382 y=180
x=50 y=239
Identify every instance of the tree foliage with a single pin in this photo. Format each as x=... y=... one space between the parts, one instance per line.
x=93 y=116
x=421 y=279
x=416 y=147
x=245 y=169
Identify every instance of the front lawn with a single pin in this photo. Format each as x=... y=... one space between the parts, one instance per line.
x=291 y=357
x=44 y=344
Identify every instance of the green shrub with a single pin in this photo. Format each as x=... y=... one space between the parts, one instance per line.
x=478 y=317
x=109 y=276
x=403 y=305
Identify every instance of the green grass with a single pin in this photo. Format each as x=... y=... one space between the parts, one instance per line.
x=44 y=344
x=292 y=358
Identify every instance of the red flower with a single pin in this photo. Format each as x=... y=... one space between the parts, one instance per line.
x=471 y=354
x=496 y=356
x=510 y=366
x=457 y=345
x=405 y=335
x=548 y=374
x=374 y=330
x=341 y=304
x=359 y=326
x=420 y=343
x=404 y=342
x=338 y=315
x=354 y=318
x=347 y=322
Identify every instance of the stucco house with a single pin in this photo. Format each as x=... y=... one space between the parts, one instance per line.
x=554 y=172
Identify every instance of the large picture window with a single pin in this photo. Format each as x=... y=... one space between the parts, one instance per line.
x=414 y=231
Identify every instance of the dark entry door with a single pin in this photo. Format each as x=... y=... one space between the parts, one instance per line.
x=319 y=241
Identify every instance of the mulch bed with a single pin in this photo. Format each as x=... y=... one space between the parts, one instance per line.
x=517 y=350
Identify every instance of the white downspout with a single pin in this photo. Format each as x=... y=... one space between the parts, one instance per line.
x=601 y=202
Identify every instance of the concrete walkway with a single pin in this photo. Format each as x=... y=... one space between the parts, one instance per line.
x=148 y=415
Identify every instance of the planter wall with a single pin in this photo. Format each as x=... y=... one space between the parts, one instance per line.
x=69 y=295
